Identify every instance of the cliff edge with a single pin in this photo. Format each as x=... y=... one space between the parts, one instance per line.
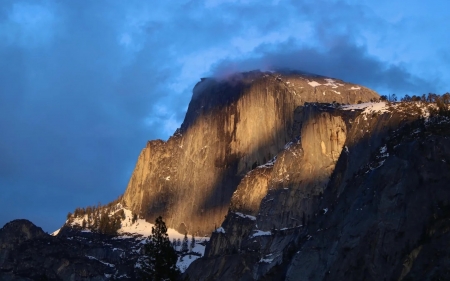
x=231 y=127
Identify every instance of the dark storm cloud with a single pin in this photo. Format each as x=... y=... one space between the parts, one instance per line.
x=337 y=48
x=344 y=61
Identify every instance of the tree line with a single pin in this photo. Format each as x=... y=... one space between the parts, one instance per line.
x=104 y=219
x=427 y=98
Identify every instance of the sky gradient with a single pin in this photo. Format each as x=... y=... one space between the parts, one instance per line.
x=85 y=84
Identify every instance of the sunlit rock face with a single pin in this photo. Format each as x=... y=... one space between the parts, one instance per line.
x=361 y=194
x=303 y=170
x=283 y=193
x=232 y=126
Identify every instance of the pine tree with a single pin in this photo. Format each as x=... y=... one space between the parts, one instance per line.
x=159 y=259
x=174 y=243
x=121 y=214
x=184 y=247
x=192 y=243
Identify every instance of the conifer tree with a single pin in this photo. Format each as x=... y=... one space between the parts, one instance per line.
x=159 y=259
x=184 y=247
x=192 y=243
x=174 y=243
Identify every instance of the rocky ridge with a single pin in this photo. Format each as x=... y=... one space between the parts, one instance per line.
x=311 y=188
x=75 y=252
x=71 y=255
x=231 y=127
x=377 y=209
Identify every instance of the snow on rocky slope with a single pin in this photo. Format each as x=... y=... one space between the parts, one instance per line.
x=141 y=229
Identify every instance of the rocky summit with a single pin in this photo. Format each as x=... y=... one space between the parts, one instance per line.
x=293 y=176
x=232 y=126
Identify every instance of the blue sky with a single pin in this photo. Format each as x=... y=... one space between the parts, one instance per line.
x=84 y=84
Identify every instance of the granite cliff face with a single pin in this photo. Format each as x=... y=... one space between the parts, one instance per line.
x=362 y=196
x=231 y=127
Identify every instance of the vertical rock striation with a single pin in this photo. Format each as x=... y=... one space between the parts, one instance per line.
x=376 y=206
x=231 y=127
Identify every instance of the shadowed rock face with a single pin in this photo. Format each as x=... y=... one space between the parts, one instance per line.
x=16 y=232
x=27 y=253
x=231 y=127
x=376 y=209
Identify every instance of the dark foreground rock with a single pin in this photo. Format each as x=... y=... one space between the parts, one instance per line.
x=27 y=253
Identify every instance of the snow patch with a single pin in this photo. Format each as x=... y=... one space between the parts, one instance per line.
x=288 y=145
x=105 y=263
x=369 y=107
x=268 y=164
x=381 y=158
x=253 y=218
x=183 y=262
x=220 y=230
x=260 y=233
x=314 y=84
x=332 y=83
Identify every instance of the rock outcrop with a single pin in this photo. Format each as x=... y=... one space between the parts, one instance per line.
x=27 y=253
x=16 y=232
x=376 y=207
x=293 y=183
x=231 y=127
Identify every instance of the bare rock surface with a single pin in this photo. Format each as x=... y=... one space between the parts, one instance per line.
x=27 y=253
x=376 y=209
x=231 y=127
x=291 y=184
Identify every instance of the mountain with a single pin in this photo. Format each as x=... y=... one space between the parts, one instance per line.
x=231 y=126
x=294 y=176
x=362 y=194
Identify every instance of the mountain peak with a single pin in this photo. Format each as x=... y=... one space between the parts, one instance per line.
x=233 y=124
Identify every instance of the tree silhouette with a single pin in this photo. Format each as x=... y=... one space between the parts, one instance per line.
x=159 y=258
x=192 y=243
x=185 y=245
